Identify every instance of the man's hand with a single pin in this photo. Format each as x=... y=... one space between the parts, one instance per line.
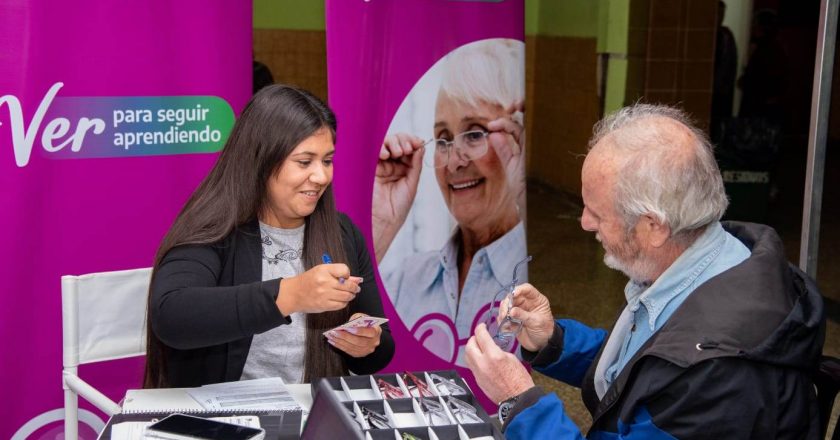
x=532 y=308
x=394 y=187
x=498 y=373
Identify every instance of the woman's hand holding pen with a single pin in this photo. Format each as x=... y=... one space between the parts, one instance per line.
x=319 y=289
x=356 y=341
x=394 y=188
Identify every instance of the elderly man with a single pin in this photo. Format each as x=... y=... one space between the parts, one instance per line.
x=719 y=333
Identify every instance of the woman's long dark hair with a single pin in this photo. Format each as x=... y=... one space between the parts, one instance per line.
x=274 y=122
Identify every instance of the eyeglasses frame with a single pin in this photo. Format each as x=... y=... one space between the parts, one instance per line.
x=453 y=144
x=451 y=386
x=390 y=391
x=504 y=339
x=459 y=407
x=374 y=419
x=422 y=388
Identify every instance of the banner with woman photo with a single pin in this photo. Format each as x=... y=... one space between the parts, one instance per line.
x=110 y=113
x=431 y=146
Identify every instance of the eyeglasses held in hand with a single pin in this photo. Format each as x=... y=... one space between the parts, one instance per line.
x=446 y=385
x=390 y=391
x=504 y=330
x=469 y=145
x=421 y=387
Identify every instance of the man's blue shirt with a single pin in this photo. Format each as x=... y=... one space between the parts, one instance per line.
x=649 y=307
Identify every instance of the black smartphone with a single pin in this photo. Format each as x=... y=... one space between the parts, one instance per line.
x=184 y=427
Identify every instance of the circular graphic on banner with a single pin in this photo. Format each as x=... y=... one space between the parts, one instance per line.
x=449 y=194
x=50 y=426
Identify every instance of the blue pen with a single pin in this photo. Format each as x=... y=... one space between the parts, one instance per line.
x=327 y=260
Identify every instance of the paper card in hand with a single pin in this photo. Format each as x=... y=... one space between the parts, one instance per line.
x=362 y=321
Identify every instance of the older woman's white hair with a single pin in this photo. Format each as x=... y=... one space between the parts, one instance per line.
x=658 y=176
x=490 y=71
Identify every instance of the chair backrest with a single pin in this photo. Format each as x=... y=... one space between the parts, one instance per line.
x=103 y=318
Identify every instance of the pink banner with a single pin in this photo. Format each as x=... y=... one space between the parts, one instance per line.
x=103 y=106
x=441 y=79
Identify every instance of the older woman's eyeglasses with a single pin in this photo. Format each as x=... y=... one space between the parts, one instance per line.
x=469 y=145
x=504 y=329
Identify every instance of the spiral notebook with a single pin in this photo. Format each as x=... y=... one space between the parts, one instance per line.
x=252 y=396
x=278 y=425
x=160 y=400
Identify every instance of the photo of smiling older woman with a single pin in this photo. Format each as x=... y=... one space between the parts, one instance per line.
x=449 y=194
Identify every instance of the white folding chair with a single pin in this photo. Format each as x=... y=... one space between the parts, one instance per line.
x=103 y=318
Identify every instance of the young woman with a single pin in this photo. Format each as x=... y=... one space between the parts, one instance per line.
x=259 y=264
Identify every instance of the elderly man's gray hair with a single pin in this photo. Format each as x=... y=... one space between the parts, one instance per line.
x=668 y=169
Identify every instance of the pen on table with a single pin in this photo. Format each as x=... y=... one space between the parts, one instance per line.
x=327 y=260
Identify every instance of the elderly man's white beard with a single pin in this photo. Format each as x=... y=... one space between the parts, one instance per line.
x=639 y=270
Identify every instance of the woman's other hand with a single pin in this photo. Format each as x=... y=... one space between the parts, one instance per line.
x=357 y=341
x=394 y=188
x=322 y=288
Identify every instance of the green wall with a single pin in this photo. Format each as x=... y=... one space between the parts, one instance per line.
x=564 y=18
x=532 y=16
x=289 y=14
x=569 y=18
x=613 y=25
x=606 y=20
x=613 y=29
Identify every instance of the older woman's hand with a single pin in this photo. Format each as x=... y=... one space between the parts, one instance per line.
x=507 y=137
x=511 y=124
x=357 y=341
x=394 y=188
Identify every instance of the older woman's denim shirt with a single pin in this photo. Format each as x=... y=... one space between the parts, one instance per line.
x=425 y=290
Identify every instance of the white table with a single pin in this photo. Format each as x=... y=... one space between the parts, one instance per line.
x=160 y=398
x=302 y=393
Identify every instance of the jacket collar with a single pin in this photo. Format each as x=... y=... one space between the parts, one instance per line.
x=678 y=277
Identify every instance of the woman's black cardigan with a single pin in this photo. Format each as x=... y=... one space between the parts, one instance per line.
x=207 y=302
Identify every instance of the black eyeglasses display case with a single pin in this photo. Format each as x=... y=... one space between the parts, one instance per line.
x=344 y=408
